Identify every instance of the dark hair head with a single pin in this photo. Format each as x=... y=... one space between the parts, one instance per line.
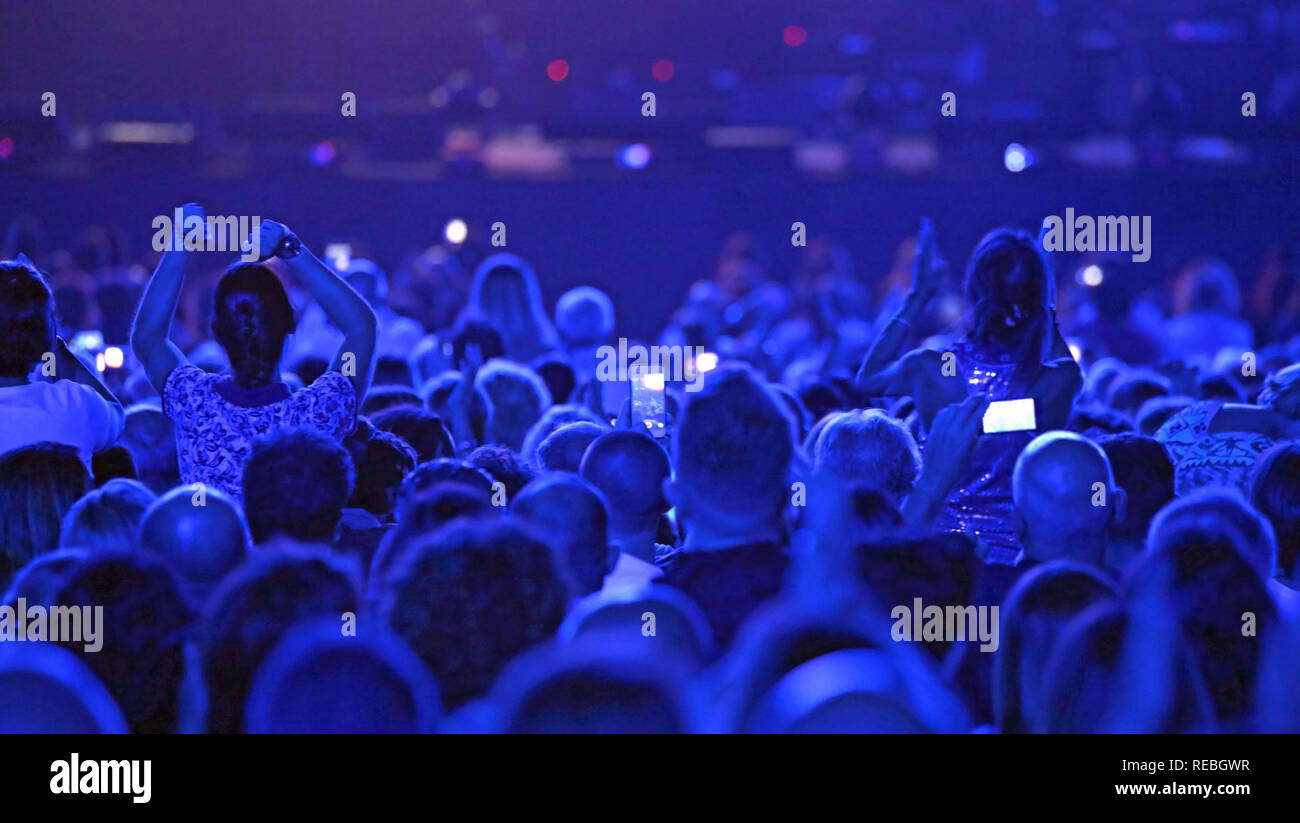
x=145 y=623
x=251 y=610
x=27 y=324
x=422 y=429
x=38 y=485
x=1129 y=391
x=251 y=316
x=1143 y=470
x=1010 y=290
x=444 y=469
x=1275 y=491
x=391 y=370
x=382 y=460
x=505 y=466
x=296 y=483
x=382 y=398
x=473 y=596
x=1033 y=616
x=557 y=374
x=107 y=517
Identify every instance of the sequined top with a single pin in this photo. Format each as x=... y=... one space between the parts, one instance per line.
x=980 y=504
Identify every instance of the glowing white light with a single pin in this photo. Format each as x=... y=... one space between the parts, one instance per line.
x=707 y=361
x=1092 y=275
x=99 y=361
x=456 y=231
x=113 y=357
x=653 y=381
x=1076 y=352
x=1015 y=158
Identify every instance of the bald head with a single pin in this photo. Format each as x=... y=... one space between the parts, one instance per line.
x=203 y=536
x=1055 y=491
x=629 y=468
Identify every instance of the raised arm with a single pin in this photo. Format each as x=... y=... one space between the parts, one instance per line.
x=345 y=308
x=879 y=372
x=153 y=318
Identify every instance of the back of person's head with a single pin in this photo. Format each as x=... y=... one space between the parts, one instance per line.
x=820 y=397
x=517 y=396
x=1034 y=614
x=1143 y=469
x=734 y=448
x=937 y=568
x=851 y=691
x=1093 y=419
x=107 y=517
x=869 y=447
x=27 y=322
x=1275 y=492
x=391 y=370
x=572 y=516
x=472 y=596
x=504 y=465
x=1154 y=413
x=139 y=653
x=584 y=317
x=1057 y=496
x=557 y=374
x=1081 y=676
x=1010 y=291
x=1223 y=606
x=40 y=580
x=422 y=429
x=1219 y=510
x=474 y=331
x=381 y=460
x=47 y=690
x=149 y=436
x=505 y=292
x=251 y=316
x=425 y=513
x=296 y=483
x=564 y=449
x=318 y=681
x=444 y=469
x=592 y=687
x=1207 y=284
x=629 y=468
x=1129 y=391
x=249 y=613
x=655 y=615
x=1221 y=387
x=382 y=398
x=201 y=536
x=368 y=279
x=112 y=463
x=552 y=419
x=38 y=485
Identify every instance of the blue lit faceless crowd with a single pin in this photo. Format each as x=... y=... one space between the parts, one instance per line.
x=317 y=497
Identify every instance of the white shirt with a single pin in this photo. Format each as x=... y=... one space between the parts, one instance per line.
x=63 y=412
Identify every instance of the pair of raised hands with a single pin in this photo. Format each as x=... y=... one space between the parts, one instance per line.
x=268 y=238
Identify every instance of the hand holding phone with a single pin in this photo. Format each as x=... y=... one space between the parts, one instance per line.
x=1010 y=416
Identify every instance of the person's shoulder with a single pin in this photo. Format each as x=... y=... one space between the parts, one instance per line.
x=331 y=381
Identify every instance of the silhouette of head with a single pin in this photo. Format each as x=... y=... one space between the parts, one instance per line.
x=251 y=316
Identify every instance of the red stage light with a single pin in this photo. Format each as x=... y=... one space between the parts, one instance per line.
x=662 y=70
x=794 y=35
x=557 y=70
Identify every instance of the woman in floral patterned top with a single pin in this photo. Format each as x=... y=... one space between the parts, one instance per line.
x=218 y=416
